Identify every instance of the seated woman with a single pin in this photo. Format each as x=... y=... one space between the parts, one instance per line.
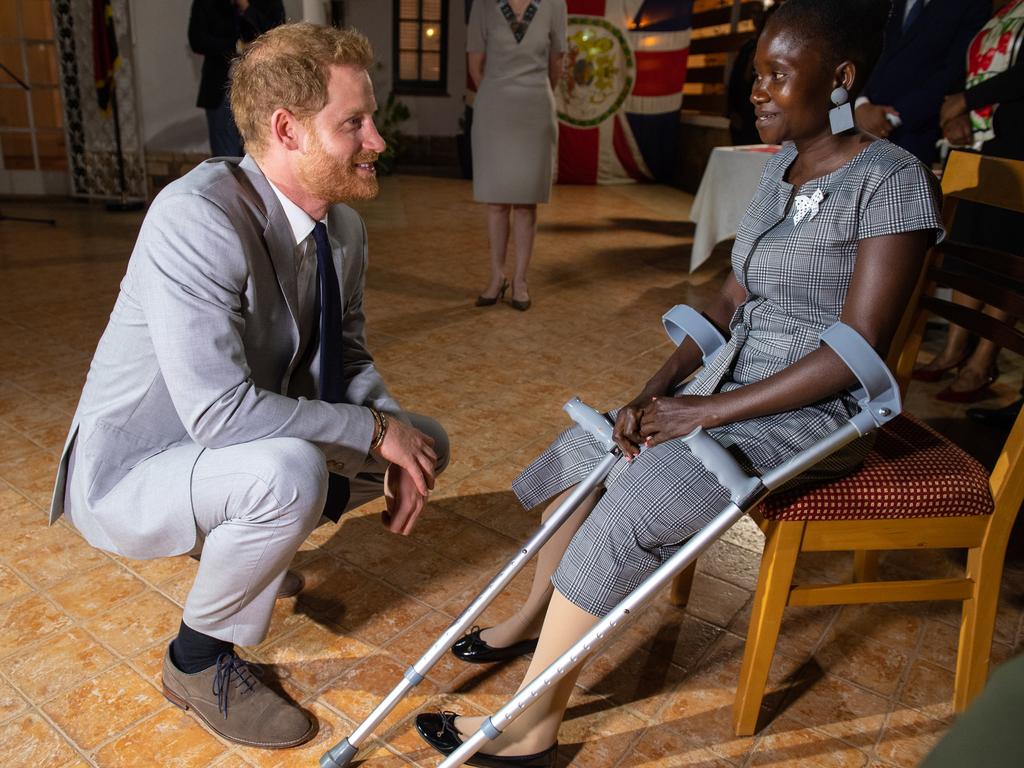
x=838 y=229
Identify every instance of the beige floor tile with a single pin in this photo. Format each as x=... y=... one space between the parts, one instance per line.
x=86 y=595
x=97 y=709
x=11 y=585
x=144 y=620
x=788 y=742
x=170 y=738
x=30 y=742
x=910 y=734
x=312 y=656
x=27 y=621
x=58 y=664
x=11 y=702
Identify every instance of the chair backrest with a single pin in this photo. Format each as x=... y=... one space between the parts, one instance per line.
x=994 y=277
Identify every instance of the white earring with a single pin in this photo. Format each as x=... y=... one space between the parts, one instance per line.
x=840 y=117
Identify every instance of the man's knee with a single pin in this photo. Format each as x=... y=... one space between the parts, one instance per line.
x=437 y=433
x=294 y=472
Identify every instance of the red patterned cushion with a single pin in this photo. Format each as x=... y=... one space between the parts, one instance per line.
x=912 y=471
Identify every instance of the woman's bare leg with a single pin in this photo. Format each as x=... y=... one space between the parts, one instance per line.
x=956 y=337
x=524 y=222
x=980 y=366
x=497 y=233
x=537 y=728
x=527 y=621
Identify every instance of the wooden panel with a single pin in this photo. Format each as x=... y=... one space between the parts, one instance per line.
x=720 y=44
x=1002 y=295
x=705 y=104
x=984 y=179
x=705 y=75
x=977 y=322
x=703 y=89
x=724 y=15
x=942 y=532
x=882 y=592
x=1006 y=264
x=706 y=60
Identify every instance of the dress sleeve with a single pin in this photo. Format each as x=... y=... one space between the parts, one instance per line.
x=907 y=200
x=476 y=34
x=559 y=28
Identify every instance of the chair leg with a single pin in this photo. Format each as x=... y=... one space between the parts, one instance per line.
x=679 y=594
x=865 y=565
x=977 y=623
x=781 y=548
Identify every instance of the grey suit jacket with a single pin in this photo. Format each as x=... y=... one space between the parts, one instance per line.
x=198 y=353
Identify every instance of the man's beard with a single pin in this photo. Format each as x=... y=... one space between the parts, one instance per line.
x=332 y=179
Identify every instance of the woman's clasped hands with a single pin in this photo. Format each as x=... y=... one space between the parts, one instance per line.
x=650 y=420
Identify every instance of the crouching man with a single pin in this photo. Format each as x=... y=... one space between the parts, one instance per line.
x=232 y=403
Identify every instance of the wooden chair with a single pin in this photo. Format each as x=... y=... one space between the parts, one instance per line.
x=916 y=489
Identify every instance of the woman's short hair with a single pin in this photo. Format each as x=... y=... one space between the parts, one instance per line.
x=847 y=29
x=288 y=67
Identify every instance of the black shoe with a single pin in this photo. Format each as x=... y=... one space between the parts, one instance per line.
x=1000 y=418
x=439 y=731
x=476 y=651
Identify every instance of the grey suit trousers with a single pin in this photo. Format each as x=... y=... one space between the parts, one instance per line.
x=253 y=504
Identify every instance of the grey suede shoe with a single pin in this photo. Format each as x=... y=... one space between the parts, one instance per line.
x=291 y=585
x=229 y=699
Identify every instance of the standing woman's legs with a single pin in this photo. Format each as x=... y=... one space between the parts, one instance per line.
x=524 y=218
x=497 y=232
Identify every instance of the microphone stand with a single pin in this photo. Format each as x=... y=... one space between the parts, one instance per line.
x=29 y=219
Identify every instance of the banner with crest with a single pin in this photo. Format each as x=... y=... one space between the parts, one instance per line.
x=618 y=102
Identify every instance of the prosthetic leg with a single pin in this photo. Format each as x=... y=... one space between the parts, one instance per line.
x=879 y=401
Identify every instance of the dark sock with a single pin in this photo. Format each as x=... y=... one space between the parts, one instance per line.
x=193 y=651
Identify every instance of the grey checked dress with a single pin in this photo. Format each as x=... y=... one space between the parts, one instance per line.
x=797 y=276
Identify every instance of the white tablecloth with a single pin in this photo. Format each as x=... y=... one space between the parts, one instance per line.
x=725 y=191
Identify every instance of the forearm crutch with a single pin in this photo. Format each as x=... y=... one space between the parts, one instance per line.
x=879 y=401
x=339 y=756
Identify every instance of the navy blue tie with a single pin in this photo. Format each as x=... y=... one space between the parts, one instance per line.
x=332 y=369
x=916 y=6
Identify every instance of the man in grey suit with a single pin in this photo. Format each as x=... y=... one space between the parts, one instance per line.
x=232 y=403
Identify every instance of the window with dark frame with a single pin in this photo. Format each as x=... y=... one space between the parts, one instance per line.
x=421 y=47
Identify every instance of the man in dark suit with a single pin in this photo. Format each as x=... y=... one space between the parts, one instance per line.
x=925 y=45
x=220 y=30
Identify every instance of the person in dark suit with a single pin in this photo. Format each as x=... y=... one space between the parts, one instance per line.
x=925 y=45
x=220 y=30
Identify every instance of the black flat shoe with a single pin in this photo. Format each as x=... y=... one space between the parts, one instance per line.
x=474 y=650
x=438 y=730
x=1000 y=418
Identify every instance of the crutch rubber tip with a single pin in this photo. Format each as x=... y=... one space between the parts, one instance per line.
x=340 y=756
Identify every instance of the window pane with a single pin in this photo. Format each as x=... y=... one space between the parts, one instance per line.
x=407 y=69
x=13 y=108
x=42 y=64
x=409 y=9
x=408 y=34
x=17 y=151
x=52 y=156
x=431 y=68
x=46 y=109
x=432 y=10
x=431 y=40
x=36 y=19
x=8 y=20
x=10 y=57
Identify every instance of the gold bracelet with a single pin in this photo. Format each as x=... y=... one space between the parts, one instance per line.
x=380 y=423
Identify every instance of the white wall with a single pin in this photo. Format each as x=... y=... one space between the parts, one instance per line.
x=168 y=71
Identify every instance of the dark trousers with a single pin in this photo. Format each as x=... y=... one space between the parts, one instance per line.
x=225 y=140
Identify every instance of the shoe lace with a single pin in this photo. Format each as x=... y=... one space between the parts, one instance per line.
x=231 y=668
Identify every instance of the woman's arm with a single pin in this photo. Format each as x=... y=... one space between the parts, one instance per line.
x=475 y=63
x=883 y=281
x=556 y=65
x=681 y=363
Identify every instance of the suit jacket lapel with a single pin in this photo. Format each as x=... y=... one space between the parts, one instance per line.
x=908 y=34
x=281 y=247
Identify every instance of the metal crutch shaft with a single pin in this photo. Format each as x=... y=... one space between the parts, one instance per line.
x=342 y=753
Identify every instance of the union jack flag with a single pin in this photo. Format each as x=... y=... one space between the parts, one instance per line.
x=619 y=101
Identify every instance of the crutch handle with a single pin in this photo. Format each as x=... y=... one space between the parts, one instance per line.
x=684 y=321
x=878 y=394
x=591 y=420
x=721 y=464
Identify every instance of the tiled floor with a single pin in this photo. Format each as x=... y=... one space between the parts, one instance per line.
x=82 y=633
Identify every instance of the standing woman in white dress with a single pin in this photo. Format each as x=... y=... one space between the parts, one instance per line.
x=515 y=51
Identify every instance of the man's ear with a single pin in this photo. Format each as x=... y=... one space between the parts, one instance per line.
x=286 y=130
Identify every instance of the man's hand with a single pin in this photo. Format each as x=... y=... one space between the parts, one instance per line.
x=666 y=418
x=403 y=499
x=872 y=118
x=411 y=450
x=953 y=106
x=242 y=5
x=958 y=131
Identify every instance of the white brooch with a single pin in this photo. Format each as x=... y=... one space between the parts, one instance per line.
x=807 y=206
